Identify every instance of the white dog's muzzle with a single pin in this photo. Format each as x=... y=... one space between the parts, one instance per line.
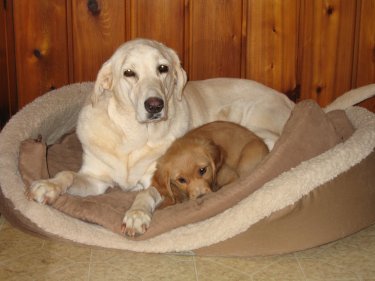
x=154 y=107
x=152 y=102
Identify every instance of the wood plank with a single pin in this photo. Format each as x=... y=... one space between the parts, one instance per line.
x=215 y=39
x=365 y=63
x=327 y=43
x=365 y=68
x=272 y=39
x=97 y=33
x=161 y=20
x=40 y=47
x=8 y=84
x=4 y=94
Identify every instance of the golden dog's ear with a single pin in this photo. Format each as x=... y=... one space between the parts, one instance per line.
x=161 y=181
x=103 y=82
x=216 y=154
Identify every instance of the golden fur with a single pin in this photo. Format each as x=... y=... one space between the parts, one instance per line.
x=205 y=159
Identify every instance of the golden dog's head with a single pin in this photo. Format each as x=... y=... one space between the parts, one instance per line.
x=188 y=169
x=142 y=75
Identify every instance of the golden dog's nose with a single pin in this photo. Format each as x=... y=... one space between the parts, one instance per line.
x=154 y=105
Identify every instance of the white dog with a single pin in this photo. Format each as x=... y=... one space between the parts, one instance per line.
x=139 y=106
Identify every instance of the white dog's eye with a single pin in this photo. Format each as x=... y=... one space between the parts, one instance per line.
x=163 y=68
x=129 y=73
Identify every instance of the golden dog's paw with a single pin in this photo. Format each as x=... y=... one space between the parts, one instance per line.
x=43 y=191
x=135 y=222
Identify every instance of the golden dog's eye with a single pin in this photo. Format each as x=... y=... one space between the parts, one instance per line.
x=181 y=180
x=202 y=171
x=163 y=68
x=129 y=73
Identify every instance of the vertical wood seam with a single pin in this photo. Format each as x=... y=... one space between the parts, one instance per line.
x=69 y=34
x=185 y=39
x=357 y=33
x=188 y=44
x=10 y=52
x=127 y=20
x=299 y=49
x=243 y=55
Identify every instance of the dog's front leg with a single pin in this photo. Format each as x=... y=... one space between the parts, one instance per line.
x=48 y=190
x=138 y=218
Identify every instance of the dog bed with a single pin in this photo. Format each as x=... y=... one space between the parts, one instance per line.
x=317 y=185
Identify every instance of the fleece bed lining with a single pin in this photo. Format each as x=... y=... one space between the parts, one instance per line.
x=273 y=196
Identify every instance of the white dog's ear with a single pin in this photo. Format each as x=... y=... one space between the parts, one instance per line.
x=180 y=81
x=103 y=82
x=179 y=74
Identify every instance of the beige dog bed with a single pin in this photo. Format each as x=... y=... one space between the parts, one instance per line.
x=317 y=185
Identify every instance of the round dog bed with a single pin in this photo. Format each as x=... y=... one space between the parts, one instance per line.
x=317 y=185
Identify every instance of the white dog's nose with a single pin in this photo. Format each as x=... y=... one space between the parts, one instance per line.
x=154 y=105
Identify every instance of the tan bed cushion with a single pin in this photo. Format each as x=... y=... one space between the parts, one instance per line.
x=308 y=133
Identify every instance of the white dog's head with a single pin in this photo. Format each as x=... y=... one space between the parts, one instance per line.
x=145 y=74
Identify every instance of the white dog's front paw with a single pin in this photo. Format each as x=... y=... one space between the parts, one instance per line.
x=135 y=222
x=43 y=191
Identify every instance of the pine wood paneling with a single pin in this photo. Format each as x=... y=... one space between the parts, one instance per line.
x=272 y=39
x=8 y=97
x=40 y=47
x=324 y=46
x=365 y=68
x=4 y=98
x=96 y=33
x=327 y=44
x=161 y=20
x=215 y=38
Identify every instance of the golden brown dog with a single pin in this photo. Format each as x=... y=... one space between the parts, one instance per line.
x=205 y=159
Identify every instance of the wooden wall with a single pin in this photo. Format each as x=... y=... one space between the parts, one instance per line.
x=8 y=91
x=306 y=49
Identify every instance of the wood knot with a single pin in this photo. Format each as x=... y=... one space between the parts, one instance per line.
x=330 y=10
x=318 y=90
x=37 y=53
x=93 y=7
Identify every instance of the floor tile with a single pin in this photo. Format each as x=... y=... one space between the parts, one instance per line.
x=37 y=264
x=248 y=266
x=27 y=258
x=105 y=271
x=13 y=274
x=208 y=270
x=286 y=268
x=147 y=266
x=71 y=272
x=73 y=252
x=14 y=243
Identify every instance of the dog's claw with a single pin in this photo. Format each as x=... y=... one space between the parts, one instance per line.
x=135 y=222
x=127 y=231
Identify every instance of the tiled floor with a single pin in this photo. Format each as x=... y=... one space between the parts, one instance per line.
x=24 y=257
